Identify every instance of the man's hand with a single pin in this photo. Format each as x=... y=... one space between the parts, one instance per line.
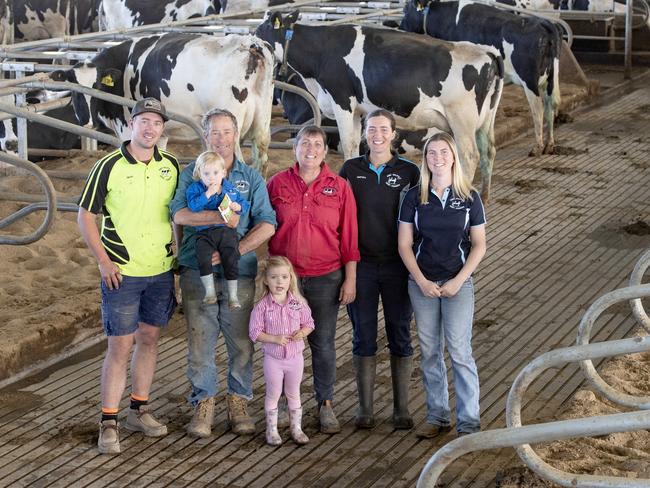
x=233 y=221
x=111 y=275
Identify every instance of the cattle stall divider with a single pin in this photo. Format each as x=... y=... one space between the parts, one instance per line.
x=50 y=204
x=520 y=437
x=644 y=13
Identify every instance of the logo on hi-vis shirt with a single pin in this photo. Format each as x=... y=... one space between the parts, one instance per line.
x=393 y=180
x=165 y=173
x=328 y=190
x=457 y=203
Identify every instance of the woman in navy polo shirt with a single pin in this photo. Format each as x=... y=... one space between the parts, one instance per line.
x=441 y=240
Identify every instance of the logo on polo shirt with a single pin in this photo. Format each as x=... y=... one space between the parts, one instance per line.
x=165 y=173
x=242 y=186
x=329 y=190
x=457 y=203
x=294 y=305
x=393 y=180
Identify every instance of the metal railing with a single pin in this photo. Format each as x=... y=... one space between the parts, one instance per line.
x=521 y=437
x=51 y=204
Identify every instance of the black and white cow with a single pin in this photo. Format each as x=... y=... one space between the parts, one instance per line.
x=352 y=70
x=44 y=19
x=190 y=74
x=119 y=14
x=8 y=139
x=530 y=48
x=41 y=136
x=235 y=6
x=297 y=111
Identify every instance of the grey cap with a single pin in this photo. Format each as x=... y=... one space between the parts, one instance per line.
x=149 y=105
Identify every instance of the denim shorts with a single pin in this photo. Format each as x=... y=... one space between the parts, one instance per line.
x=148 y=299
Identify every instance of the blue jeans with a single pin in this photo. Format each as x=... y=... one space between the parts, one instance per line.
x=448 y=320
x=322 y=294
x=204 y=323
x=390 y=281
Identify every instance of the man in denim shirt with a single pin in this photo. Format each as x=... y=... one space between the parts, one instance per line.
x=205 y=322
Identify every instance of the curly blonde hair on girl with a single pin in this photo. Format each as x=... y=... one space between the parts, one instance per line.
x=278 y=262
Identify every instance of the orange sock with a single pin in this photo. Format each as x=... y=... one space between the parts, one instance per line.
x=137 y=402
x=109 y=413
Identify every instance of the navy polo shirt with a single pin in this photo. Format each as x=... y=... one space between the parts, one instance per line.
x=441 y=240
x=378 y=192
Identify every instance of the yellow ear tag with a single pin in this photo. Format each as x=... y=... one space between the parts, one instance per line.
x=108 y=80
x=276 y=23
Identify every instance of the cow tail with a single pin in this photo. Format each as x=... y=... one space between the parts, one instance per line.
x=499 y=73
x=552 y=60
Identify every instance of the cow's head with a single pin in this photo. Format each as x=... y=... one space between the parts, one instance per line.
x=415 y=16
x=277 y=31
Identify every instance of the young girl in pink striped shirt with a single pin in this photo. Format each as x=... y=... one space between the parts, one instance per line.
x=281 y=320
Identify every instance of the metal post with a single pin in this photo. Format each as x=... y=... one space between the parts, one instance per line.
x=88 y=144
x=21 y=123
x=627 y=74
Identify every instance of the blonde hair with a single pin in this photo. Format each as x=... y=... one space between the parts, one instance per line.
x=278 y=262
x=461 y=185
x=205 y=159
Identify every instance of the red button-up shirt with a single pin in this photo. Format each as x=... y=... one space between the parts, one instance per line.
x=317 y=224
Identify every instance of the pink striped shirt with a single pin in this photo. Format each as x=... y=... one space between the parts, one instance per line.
x=272 y=318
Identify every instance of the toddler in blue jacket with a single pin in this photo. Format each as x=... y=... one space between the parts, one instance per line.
x=212 y=191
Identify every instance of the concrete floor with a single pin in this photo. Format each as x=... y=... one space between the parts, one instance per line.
x=561 y=232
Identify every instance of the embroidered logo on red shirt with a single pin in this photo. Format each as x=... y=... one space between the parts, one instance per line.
x=294 y=305
x=329 y=190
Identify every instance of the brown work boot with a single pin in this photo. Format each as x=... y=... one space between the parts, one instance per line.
x=142 y=420
x=201 y=423
x=429 y=431
x=109 y=437
x=240 y=422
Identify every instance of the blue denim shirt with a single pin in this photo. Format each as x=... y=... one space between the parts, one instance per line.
x=252 y=187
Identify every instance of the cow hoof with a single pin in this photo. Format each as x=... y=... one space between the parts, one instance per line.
x=549 y=149
x=535 y=151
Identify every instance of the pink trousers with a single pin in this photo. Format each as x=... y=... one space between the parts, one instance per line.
x=279 y=373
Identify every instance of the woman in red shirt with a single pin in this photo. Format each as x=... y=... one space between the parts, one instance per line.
x=317 y=231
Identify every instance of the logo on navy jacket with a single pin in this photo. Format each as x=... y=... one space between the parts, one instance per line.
x=457 y=203
x=242 y=186
x=393 y=180
x=329 y=190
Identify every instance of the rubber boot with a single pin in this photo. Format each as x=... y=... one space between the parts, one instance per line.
x=365 y=368
x=400 y=369
x=298 y=436
x=272 y=435
x=233 y=300
x=210 y=293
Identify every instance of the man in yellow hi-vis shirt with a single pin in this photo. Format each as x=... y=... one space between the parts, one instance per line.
x=131 y=187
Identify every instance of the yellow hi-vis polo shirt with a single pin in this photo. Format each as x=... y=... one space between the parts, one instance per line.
x=133 y=199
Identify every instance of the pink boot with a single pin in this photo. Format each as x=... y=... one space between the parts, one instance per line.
x=297 y=434
x=272 y=436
